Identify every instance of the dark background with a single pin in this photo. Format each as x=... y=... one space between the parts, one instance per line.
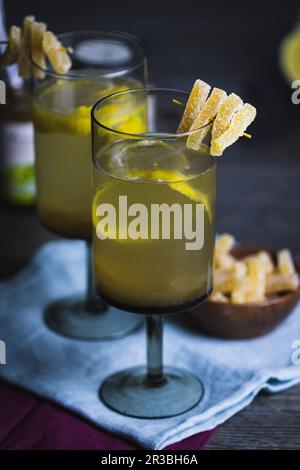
x=228 y=44
x=234 y=46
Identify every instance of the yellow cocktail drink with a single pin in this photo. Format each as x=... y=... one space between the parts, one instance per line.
x=153 y=224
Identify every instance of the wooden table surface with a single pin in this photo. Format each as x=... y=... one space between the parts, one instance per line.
x=235 y=47
x=270 y=422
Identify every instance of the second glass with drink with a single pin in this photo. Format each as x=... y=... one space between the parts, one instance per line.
x=102 y=63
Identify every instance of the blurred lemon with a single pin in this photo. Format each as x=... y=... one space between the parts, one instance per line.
x=289 y=55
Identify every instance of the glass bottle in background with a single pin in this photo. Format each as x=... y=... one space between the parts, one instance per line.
x=16 y=134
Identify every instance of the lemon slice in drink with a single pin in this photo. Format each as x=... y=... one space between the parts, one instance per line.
x=78 y=122
x=195 y=195
x=177 y=181
x=129 y=156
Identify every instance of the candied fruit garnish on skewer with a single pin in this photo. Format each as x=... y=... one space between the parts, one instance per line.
x=231 y=105
x=25 y=67
x=38 y=56
x=227 y=116
x=197 y=98
x=12 y=51
x=240 y=121
x=206 y=114
x=56 y=53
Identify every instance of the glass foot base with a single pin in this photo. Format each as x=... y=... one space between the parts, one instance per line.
x=73 y=318
x=128 y=393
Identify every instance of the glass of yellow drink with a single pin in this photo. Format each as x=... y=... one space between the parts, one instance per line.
x=102 y=63
x=153 y=239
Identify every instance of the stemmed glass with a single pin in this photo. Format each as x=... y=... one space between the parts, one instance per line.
x=102 y=63
x=153 y=238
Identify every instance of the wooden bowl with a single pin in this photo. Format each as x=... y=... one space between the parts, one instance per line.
x=234 y=321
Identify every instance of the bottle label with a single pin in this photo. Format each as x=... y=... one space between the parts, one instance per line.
x=17 y=161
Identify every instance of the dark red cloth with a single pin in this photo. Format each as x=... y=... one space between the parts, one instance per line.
x=30 y=422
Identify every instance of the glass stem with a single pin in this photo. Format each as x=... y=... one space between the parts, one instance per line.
x=93 y=301
x=154 y=329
